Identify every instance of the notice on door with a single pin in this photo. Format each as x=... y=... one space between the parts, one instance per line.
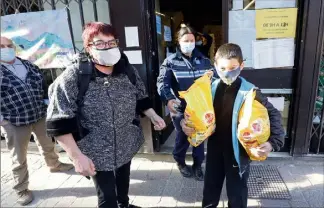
x=276 y=23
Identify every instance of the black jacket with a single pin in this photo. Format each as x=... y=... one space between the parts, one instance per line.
x=223 y=106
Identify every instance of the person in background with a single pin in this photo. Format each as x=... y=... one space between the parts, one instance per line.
x=102 y=135
x=226 y=157
x=177 y=73
x=203 y=43
x=23 y=112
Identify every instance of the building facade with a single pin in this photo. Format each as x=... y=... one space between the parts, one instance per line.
x=302 y=85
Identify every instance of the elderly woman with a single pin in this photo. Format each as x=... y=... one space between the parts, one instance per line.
x=102 y=135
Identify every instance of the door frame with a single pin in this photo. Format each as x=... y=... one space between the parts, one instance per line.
x=301 y=78
x=307 y=76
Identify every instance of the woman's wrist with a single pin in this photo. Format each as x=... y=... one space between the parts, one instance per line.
x=150 y=113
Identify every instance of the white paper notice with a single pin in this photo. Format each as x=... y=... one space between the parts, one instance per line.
x=131 y=36
x=273 y=53
x=242 y=32
x=274 y=4
x=242 y=19
x=237 y=5
x=134 y=57
x=277 y=102
x=167 y=34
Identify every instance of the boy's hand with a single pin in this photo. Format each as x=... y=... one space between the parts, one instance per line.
x=262 y=150
x=187 y=130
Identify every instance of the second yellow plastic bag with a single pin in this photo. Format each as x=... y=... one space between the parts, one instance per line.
x=200 y=109
x=254 y=125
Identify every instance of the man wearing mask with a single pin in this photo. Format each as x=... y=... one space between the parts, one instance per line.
x=23 y=112
x=203 y=43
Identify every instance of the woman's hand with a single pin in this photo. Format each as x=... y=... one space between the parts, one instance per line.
x=84 y=165
x=186 y=129
x=158 y=122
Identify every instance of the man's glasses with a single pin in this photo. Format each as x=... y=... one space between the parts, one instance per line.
x=101 y=45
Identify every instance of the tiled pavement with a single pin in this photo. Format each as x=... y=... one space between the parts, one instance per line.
x=156 y=182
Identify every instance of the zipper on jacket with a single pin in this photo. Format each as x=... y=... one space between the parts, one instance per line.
x=113 y=121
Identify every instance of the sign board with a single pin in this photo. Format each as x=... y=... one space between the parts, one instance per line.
x=276 y=23
x=167 y=34
x=158 y=24
x=131 y=36
x=273 y=53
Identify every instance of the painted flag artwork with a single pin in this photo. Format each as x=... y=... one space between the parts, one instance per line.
x=43 y=37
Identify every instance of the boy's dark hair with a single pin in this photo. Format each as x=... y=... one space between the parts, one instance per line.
x=229 y=51
x=185 y=30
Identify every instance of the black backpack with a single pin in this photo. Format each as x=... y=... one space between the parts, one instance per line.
x=85 y=73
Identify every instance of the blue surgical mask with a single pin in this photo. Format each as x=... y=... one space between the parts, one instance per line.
x=187 y=47
x=228 y=77
x=7 y=54
x=199 y=43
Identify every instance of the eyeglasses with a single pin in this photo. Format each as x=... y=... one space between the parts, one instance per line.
x=7 y=46
x=100 y=45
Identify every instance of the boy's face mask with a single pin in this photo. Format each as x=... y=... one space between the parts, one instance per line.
x=228 y=76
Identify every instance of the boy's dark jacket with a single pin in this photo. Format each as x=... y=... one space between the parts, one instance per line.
x=277 y=132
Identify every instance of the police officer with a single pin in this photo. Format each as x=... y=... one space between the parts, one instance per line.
x=178 y=73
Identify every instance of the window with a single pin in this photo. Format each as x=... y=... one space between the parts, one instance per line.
x=265 y=30
x=20 y=6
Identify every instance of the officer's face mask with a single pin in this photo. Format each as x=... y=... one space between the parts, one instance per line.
x=187 y=47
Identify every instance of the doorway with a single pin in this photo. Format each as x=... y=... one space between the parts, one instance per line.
x=213 y=17
x=204 y=17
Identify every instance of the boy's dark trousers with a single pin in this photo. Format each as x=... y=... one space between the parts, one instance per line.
x=112 y=187
x=182 y=145
x=221 y=163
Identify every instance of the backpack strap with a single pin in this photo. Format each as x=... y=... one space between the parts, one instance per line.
x=85 y=70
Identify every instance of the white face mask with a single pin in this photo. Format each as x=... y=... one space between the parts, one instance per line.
x=7 y=54
x=107 y=57
x=187 y=47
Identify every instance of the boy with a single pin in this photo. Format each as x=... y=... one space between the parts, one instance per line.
x=225 y=155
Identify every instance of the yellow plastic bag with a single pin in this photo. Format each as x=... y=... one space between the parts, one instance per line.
x=254 y=125
x=200 y=109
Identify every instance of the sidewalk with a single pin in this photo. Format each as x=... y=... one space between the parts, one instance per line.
x=156 y=182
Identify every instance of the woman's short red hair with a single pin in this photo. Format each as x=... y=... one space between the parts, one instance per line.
x=92 y=29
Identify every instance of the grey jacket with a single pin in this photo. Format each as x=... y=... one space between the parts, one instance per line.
x=114 y=134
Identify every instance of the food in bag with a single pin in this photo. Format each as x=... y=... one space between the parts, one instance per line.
x=254 y=125
x=200 y=110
